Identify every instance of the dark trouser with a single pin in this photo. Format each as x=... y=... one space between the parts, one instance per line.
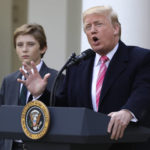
x=19 y=146
x=131 y=146
x=122 y=146
x=143 y=146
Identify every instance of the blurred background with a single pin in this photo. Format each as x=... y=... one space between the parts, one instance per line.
x=62 y=21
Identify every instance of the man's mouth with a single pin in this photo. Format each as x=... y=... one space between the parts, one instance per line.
x=95 y=39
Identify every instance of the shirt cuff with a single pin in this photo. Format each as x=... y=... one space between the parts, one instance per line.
x=36 y=98
x=134 y=119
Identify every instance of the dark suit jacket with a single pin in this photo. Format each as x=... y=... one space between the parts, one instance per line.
x=126 y=84
x=10 y=90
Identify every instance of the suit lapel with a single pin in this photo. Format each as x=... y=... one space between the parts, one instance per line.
x=117 y=65
x=86 y=79
x=43 y=70
x=16 y=87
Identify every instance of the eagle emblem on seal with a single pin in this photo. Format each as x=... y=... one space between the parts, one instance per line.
x=35 y=122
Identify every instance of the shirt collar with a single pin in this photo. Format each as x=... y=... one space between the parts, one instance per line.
x=37 y=66
x=109 y=55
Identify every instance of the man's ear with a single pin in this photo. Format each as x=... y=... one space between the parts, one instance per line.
x=116 y=29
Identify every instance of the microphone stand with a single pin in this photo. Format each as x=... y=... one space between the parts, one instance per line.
x=57 y=79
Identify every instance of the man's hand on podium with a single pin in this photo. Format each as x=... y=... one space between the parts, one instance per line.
x=118 y=123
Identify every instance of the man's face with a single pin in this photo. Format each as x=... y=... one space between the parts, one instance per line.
x=28 y=49
x=101 y=34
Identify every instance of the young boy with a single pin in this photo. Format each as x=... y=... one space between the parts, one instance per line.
x=30 y=44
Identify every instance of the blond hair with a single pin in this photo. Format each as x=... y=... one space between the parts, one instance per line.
x=103 y=10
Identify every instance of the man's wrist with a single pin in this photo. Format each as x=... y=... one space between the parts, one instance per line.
x=133 y=119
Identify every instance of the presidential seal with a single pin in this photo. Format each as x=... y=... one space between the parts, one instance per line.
x=35 y=119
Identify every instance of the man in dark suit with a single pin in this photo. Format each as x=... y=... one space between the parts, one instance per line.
x=115 y=81
x=31 y=45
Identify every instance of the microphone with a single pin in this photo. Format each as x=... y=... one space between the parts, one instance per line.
x=84 y=55
x=71 y=61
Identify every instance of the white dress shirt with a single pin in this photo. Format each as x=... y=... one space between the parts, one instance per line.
x=96 y=68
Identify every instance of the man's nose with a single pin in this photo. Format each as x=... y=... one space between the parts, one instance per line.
x=93 y=29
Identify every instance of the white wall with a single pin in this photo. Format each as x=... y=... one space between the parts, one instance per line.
x=52 y=16
x=134 y=16
x=61 y=21
x=5 y=37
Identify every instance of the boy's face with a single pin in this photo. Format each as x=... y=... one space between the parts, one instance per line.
x=28 y=49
